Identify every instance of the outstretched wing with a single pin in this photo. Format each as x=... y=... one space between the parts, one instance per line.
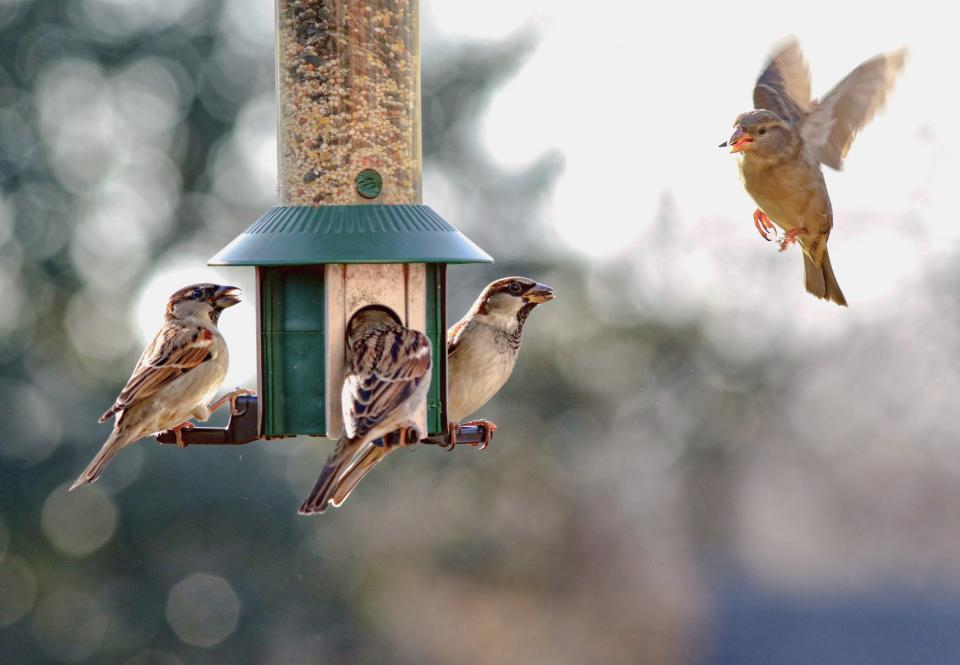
x=388 y=363
x=175 y=350
x=833 y=122
x=784 y=86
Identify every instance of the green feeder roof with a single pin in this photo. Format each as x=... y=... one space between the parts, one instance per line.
x=301 y=235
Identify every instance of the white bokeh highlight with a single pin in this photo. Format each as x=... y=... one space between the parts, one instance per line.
x=69 y=625
x=34 y=429
x=81 y=522
x=18 y=589
x=203 y=610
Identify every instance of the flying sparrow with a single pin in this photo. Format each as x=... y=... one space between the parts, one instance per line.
x=387 y=381
x=177 y=374
x=788 y=136
x=482 y=350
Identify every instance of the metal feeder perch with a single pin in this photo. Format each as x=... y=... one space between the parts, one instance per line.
x=351 y=230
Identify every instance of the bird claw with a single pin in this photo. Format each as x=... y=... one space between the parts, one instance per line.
x=232 y=398
x=454 y=431
x=177 y=432
x=763 y=224
x=790 y=237
x=409 y=436
x=488 y=429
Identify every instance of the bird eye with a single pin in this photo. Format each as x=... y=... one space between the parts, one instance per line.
x=514 y=288
x=763 y=130
x=197 y=294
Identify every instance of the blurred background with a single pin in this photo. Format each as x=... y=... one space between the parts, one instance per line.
x=696 y=463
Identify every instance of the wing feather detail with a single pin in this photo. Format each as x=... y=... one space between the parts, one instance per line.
x=174 y=351
x=388 y=363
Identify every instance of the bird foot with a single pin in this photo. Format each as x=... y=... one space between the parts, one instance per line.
x=790 y=237
x=409 y=436
x=177 y=433
x=453 y=431
x=488 y=429
x=232 y=398
x=763 y=224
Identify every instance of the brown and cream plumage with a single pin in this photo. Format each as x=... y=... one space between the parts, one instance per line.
x=387 y=381
x=482 y=351
x=788 y=136
x=177 y=374
x=482 y=347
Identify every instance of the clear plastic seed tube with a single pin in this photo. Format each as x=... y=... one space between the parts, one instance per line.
x=348 y=86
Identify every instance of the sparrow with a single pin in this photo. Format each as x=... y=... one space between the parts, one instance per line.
x=483 y=346
x=482 y=350
x=783 y=142
x=177 y=374
x=387 y=379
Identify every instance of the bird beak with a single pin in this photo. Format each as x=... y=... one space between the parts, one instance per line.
x=539 y=293
x=225 y=296
x=738 y=141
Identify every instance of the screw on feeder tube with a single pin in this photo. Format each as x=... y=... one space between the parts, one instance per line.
x=369 y=184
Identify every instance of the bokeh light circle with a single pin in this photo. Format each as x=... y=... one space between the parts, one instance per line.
x=18 y=589
x=69 y=625
x=153 y=657
x=203 y=609
x=32 y=426
x=78 y=523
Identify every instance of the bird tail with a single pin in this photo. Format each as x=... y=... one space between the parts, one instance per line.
x=367 y=460
x=821 y=281
x=111 y=447
x=320 y=495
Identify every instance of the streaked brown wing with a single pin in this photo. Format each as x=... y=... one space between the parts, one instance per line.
x=175 y=350
x=784 y=86
x=833 y=123
x=453 y=335
x=388 y=365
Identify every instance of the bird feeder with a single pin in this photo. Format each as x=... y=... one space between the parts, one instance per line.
x=351 y=230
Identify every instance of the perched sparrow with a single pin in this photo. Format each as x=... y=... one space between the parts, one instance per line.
x=482 y=350
x=482 y=347
x=387 y=381
x=784 y=141
x=177 y=374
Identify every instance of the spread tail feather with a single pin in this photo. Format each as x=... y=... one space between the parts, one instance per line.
x=319 y=497
x=821 y=281
x=110 y=448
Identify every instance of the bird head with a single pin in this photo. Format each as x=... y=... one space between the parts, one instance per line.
x=370 y=315
x=202 y=302
x=508 y=301
x=762 y=133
